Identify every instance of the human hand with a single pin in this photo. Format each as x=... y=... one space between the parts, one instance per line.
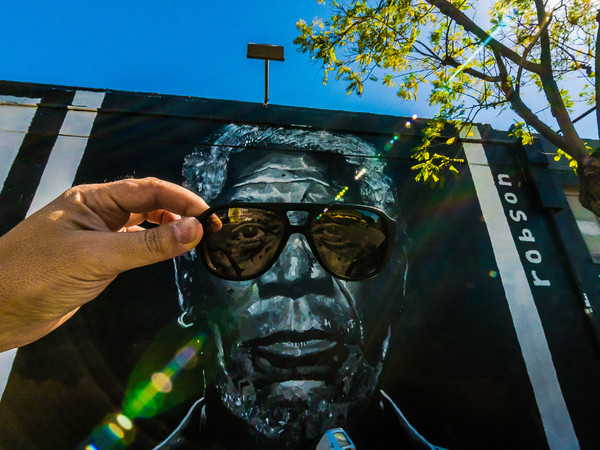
x=65 y=254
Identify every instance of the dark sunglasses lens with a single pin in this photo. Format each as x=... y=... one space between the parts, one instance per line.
x=351 y=242
x=246 y=243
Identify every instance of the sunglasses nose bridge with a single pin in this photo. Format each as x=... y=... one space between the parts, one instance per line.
x=303 y=230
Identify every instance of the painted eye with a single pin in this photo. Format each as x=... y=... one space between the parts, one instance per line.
x=249 y=232
x=331 y=231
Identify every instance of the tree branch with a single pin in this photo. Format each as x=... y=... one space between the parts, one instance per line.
x=449 y=61
x=524 y=111
x=543 y=27
x=574 y=146
x=460 y=18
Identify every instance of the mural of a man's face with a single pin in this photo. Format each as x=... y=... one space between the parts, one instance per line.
x=291 y=342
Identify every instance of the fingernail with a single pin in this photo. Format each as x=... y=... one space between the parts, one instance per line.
x=214 y=223
x=186 y=230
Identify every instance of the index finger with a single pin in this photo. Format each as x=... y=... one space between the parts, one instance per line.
x=114 y=202
x=159 y=217
x=150 y=194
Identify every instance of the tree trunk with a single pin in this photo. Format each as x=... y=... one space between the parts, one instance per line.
x=589 y=171
x=589 y=179
x=597 y=72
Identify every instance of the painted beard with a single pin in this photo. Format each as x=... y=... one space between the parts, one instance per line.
x=300 y=401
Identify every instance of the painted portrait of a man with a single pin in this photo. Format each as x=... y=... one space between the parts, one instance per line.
x=301 y=328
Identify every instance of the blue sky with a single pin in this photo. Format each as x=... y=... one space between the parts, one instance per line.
x=182 y=47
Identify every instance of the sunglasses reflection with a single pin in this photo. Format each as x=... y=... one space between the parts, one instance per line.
x=350 y=243
x=246 y=243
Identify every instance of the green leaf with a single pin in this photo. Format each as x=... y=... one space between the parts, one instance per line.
x=425 y=49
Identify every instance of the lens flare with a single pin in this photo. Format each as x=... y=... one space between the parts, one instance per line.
x=116 y=430
x=144 y=400
x=493 y=32
x=124 y=422
x=360 y=174
x=341 y=193
x=161 y=382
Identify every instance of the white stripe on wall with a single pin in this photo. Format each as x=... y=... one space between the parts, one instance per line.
x=6 y=361
x=87 y=100
x=68 y=150
x=530 y=333
x=22 y=101
x=60 y=171
x=16 y=114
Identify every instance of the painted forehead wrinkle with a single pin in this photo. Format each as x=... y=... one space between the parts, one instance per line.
x=265 y=180
x=280 y=168
x=284 y=178
x=290 y=192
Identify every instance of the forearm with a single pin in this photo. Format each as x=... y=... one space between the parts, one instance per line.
x=17 y=331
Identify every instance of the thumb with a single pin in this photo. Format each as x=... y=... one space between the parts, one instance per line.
x=141 y=248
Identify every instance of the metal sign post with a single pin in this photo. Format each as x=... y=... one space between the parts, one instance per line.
x=268 y=53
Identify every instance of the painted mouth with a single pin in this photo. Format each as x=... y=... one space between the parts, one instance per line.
x=298 y=349
x=309 y=355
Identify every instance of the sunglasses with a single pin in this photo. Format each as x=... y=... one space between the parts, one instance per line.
x=351 y=242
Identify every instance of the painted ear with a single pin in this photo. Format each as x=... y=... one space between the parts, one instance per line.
x=184 y=277
x=185 y=320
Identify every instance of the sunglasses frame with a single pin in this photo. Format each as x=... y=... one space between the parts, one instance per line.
x=313 y=210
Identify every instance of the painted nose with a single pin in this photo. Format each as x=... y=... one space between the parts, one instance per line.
x=295 y=273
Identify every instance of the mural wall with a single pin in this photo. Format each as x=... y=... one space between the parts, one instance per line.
x=339 y=292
